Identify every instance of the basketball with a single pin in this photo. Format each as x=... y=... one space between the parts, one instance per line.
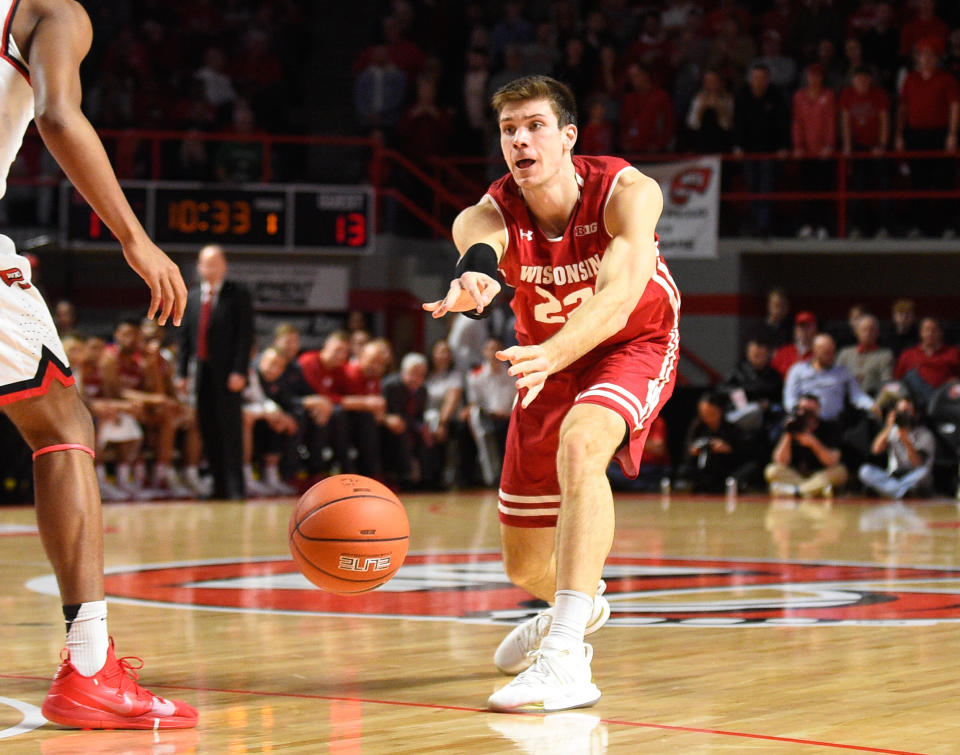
x=349 y=534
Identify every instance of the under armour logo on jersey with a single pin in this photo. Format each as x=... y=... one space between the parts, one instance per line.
x=14 y=275
x=526 y=235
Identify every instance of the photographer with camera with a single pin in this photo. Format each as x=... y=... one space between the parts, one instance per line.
x=713 y=450
x=909 y=447
x=806 y=459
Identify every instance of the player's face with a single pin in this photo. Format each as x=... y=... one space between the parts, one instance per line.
x=127 y=337
x=414 y=376
x=336 y=352
x=442 y=355
x=533 y=144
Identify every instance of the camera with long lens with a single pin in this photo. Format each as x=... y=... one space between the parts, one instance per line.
x=797 y=422
x=903 y=419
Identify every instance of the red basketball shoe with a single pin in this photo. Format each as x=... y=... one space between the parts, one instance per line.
x=111 y=699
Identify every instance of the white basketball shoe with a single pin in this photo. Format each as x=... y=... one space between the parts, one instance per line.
x=555 y=680
x=514 y=653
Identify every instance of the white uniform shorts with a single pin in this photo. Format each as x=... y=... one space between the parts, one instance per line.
x=31 y=355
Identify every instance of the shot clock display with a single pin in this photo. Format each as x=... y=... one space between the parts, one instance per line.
x=272 y=217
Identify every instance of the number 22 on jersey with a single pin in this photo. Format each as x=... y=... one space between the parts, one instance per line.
x=552 y=310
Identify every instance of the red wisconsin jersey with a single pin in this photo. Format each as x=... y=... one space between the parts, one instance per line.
x=553 y=277
x=323 y=381
x=355 y=383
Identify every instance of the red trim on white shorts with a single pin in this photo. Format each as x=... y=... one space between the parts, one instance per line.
x=39 y=386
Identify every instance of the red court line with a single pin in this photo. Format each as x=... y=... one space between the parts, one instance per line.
x=467 y=709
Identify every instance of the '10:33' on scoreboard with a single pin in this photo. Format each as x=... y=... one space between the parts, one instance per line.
x=258 y=218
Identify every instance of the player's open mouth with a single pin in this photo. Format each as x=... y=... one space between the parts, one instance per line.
x=525 y=163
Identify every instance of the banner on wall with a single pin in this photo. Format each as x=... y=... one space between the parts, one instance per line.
x=294 y=286
x=691 y=206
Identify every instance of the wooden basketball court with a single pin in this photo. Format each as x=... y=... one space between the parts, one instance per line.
x=745 y=625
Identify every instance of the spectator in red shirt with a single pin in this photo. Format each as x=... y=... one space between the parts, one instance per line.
x=925 y=26
x=646 y=114
x=713 y=23
x=863 y=19
x=927 y=119
x=814 y=130
x=322 y=372
x=929 y=364
x=804 y=330
x=596 y=137
x=865 y=127
x=364 y=408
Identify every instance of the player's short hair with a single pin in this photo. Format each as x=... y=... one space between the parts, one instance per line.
x=337 y=335
x=558 y=94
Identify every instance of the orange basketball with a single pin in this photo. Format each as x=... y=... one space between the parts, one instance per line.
x=349 y=534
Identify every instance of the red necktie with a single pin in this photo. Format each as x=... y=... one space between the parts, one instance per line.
x=203 y=326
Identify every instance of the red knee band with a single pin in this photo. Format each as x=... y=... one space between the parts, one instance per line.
x=64 y=447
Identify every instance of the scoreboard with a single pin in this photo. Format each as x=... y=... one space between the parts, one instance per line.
x=180 y=216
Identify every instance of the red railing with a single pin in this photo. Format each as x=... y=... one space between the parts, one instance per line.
x=451 y=183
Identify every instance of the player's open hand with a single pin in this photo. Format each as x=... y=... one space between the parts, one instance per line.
x=168 y=293
x=470 y=291
x=532 y=364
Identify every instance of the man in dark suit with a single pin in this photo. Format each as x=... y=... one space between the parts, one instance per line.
x=218 y=334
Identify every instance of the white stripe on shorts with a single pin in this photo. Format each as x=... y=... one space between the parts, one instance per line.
x=509 y=511
x=528 y=498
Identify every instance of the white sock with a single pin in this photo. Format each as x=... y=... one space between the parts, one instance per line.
x=571 y=612
x=248 y=473
x=124 y=479
x=272 y=474
x=87 y=639
x=160 y=471
x=101 y=473
x=140 y=473
x=191 y=473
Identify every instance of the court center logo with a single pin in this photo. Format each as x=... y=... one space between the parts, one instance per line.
x=471 y=587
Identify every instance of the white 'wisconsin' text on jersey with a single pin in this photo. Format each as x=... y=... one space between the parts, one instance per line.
x=560 y=275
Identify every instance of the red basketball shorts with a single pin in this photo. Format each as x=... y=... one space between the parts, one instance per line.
x=635 y=381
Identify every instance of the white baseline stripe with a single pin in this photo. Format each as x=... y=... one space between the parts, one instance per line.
x=32 y=718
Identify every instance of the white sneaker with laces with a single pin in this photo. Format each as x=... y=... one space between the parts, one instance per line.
x=513 y=654
x=556 y=680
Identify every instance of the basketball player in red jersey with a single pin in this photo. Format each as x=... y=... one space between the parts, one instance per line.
x=43 y=43
x=597 y=315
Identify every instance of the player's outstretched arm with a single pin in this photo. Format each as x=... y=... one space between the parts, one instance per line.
x=58 y=41
x=627 y=266
x=479 y=224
